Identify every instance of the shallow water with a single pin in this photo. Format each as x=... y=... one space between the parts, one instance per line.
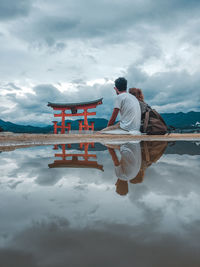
x=134 y=204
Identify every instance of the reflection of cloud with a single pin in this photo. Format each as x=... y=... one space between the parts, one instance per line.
x=167 y=197
x=13 y=185
x=47 y=177
x=55 y=242
x=175 y=175
x=32 y=164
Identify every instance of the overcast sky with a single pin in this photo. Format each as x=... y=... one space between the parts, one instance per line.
x=65 y=51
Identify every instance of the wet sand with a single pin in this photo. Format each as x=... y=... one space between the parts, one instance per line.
x=10 y=141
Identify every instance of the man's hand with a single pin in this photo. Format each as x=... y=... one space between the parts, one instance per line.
x=113 y=117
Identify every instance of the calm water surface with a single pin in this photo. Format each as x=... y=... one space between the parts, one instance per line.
x=134 y=204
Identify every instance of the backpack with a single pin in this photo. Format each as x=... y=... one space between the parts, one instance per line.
x=151 y=121
x=152 y=151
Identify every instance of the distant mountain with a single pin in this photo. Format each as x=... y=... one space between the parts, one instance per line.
x=16 y=128
x=179 y=120
x=182 y=120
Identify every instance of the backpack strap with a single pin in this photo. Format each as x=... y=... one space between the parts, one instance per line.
x=170 y=128
x=146 y=152
x=144 y=107
x=146 y=120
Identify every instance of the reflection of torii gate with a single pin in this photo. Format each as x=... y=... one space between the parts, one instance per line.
x=75 y=162
x=73 y=107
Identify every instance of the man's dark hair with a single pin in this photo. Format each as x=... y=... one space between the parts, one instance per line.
x=121 y=84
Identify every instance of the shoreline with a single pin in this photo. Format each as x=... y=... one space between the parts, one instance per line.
x=23 y=140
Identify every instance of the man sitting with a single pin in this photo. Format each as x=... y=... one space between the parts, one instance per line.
x=129 y=108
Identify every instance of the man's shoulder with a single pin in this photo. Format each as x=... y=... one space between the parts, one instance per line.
x=131 y=98
x=126 y=98
x=122 y=96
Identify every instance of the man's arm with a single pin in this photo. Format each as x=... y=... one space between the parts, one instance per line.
x=113 y=117
x=114 y=156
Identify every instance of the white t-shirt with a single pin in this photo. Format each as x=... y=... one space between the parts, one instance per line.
x=130 y=162
x=130 y=111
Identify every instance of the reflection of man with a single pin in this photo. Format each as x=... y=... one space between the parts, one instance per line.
x=135 y=159
x=129 y=165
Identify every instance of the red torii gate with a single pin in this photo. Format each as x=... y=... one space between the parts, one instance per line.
x=74 y=107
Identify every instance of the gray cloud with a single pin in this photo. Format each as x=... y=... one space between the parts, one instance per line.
x=177 y=88
x=153 y=43
x=13 y=86
x=167 y=91
x=33 y=106
x=11 y=9
x=119 y=21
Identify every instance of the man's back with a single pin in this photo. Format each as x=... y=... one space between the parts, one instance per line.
x=130 y=111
